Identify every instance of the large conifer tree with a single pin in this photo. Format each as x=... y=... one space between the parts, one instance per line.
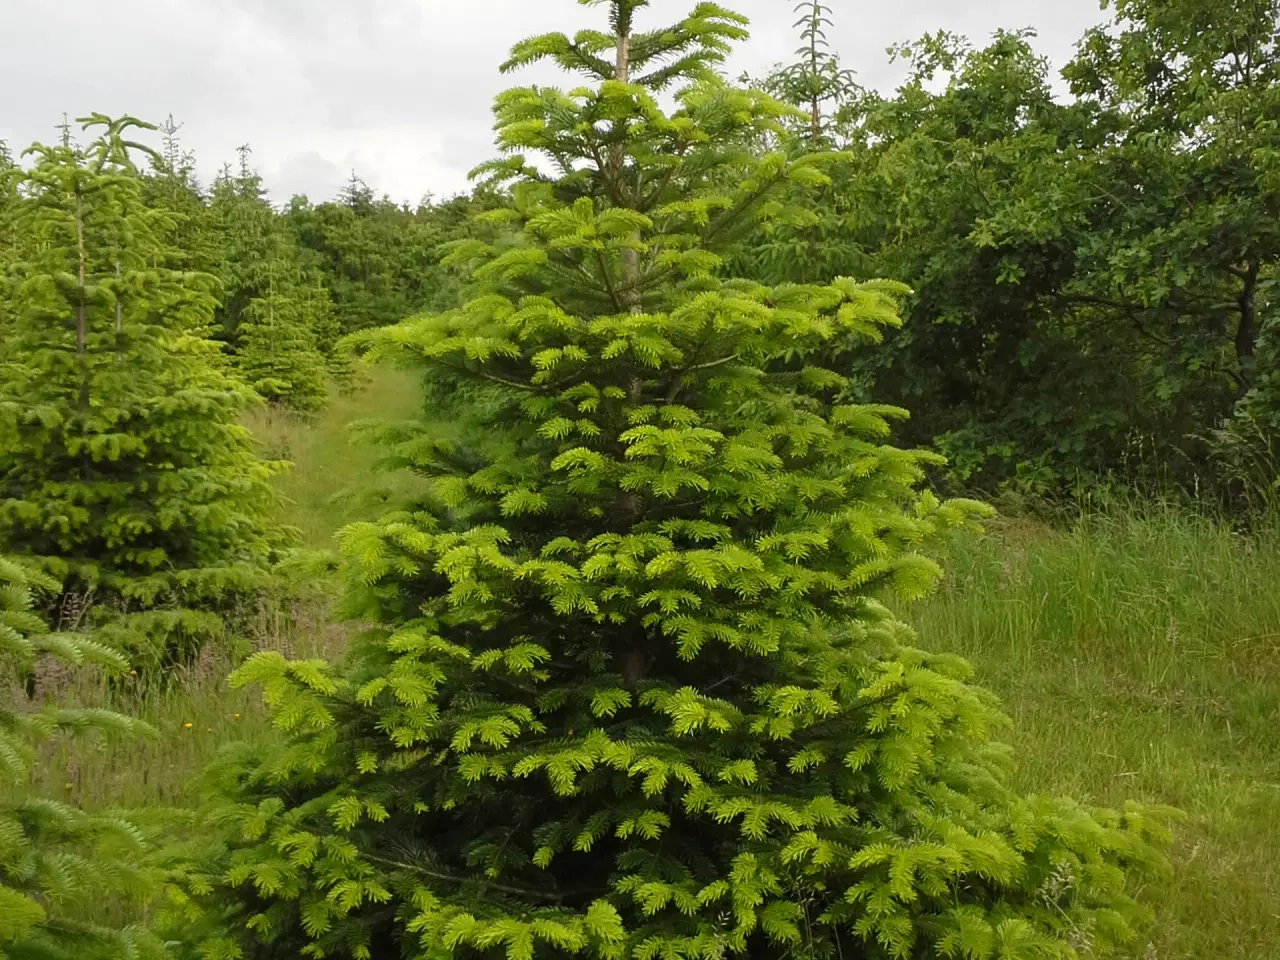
x=123 y=468
x=632 y=688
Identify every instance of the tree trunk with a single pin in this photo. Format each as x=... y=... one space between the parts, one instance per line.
x=82 y=320
x=1247 y=331
x=630 y=258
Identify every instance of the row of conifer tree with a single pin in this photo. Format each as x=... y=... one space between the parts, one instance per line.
x=1092 y=269
x=624 y=679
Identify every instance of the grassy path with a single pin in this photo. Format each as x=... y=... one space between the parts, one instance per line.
x=332 y=481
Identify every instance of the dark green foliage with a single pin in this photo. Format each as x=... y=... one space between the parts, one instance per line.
x=249 y=243
x=1191 y=184
x=996 y=359
x=631 y=688
x=379 y=261
x=276 y=353
x=982 y=360
x=369 y=255
x=123 y=468
x=1091 y=277
x=55 y=860
x=191 y=242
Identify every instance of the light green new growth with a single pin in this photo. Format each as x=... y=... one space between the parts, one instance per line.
x=123 y=467
x=632 y=688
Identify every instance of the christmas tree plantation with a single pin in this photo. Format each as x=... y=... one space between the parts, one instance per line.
x=632 y=689
x=123 y=469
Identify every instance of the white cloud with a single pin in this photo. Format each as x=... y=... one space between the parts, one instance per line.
x=309 y=173
x=398 y=89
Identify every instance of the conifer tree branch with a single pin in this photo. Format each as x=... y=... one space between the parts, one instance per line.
x=665 y=181
x=515 y=891
x=676 y=383
x=580 y=272
x=727 y=218
x=711 y=364
x=493 y=378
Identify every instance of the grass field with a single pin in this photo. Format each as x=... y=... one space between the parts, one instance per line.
x=1139 y=656
x=1138 y=653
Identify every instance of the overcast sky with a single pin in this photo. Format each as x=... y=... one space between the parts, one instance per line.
x=399 y=90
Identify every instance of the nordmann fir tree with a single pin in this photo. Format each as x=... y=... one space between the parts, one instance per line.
x=630 y=692
x=123 y=468
x=56 y=861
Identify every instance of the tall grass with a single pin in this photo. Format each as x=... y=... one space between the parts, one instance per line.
x=193 y=711
x=1138 y=653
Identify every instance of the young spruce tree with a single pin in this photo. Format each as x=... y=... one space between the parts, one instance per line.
x=630 y=692
x=55 y=859
x=123 y=468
